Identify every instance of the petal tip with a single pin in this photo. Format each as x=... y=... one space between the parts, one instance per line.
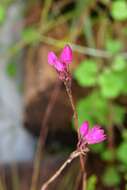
x=66 y=55
x=84 y=128
x=52 y=58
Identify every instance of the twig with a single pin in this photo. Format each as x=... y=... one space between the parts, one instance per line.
x=81 y=49
x=73 y=106
x=43 y=135
x=73 y=155
x=94 y=52
x=45 y=11
x=69 y=92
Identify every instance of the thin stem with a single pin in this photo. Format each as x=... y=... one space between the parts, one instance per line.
x=94 y=52
x=43 y=135
x=73 y=155
x=58 y=21
x=69 y=92
x=45 y=11
x=81 y=49
x=84 y=185
x=73 y=107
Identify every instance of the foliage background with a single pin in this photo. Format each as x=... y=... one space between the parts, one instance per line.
x=97 y=32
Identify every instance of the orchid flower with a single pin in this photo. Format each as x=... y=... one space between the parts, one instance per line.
x=93 y=135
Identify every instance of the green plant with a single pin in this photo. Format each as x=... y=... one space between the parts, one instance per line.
x=100 y=106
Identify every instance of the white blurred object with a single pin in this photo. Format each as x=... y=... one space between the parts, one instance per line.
x=16 y=144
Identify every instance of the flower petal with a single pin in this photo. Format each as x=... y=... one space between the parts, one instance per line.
x=84 y=128
x=52 y=58
x=66 y=55
x=59 y=66
x=54 y=61
x=95 y=135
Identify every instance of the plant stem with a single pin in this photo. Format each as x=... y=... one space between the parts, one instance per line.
x=69 y=92
x=73 y=155
x=43 y=135
x=73 y=107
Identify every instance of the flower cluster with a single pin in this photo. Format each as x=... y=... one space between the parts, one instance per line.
x=93 y=135
x=88 y=136
x=61 y=64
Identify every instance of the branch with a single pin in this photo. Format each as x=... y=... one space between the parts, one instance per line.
x=72 y=156
x=43 y=135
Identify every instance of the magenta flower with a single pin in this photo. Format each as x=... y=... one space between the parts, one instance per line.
x=93 y=135
x=61 y=63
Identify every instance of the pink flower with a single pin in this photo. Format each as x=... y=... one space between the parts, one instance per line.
x=61 y=64
x=66 y=55
x=92 y=136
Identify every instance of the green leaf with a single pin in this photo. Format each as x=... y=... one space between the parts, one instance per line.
x=113 y=45
x=101 y=112
x=107 y=155
x=84 y=111
x=2 y=14
x=111 y=83
x=30 y=35
x=119 y=63
x=86 y=73
x=11 y=70
x=93 y=108
x=119 y=10
x=91 y=182
x=121 y=152
x=111 y=177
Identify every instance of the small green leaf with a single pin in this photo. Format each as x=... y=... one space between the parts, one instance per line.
x=11 y=70
x=84 y=111
x=111 y=177
x=91 y=182
x=119 y=10
x=93 y=111
x=121 y=152
x=101 y=110
x=30 y=35
x=111 y=84
x=113 y=45
x=2 y=14
x=86 y=73
x=119 y=63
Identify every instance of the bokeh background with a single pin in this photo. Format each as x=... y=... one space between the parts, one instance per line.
x=36 y=125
